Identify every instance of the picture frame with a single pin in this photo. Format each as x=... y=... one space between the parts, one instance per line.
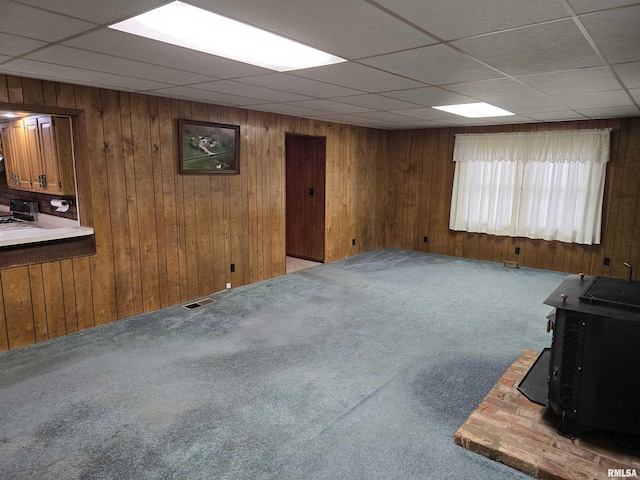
x=208 y=148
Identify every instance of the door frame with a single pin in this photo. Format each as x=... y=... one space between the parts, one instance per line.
x=322 y=177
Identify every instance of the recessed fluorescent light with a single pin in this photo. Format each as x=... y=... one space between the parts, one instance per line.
x=191 y=27
x=475 y=110
x=10 y=115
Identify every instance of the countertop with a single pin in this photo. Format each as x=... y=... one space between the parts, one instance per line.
x=48 y=227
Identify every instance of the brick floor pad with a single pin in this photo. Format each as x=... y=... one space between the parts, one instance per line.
x=510 y=429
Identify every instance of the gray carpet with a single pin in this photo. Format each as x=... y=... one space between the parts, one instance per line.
x=358 y=369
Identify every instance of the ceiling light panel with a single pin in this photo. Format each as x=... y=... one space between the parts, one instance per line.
x=474 y=110
x=191 y=27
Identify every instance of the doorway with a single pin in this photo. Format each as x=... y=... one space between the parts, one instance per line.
x=305 y=196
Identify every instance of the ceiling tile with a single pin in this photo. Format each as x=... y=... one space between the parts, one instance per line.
x=250 y=91
x=610 y=112
x=540 y=48
x=577 y=101
x=494 y=89
x=385 y=116
x=594 y=79
x=331 y=106
x=421 y=123
x=30 y=68
x=584 y=6
x=74 y=57
x=189 y=93
x=302 y=86
x=14 y=45
x=629 y=73
x=375 y=102
x=557 y=74
x=443 y=18
x=524 y=106
x=120 y=44
x=354 y=75
x=427 y=113
x=287 y=109
x=379 y=124
x=429 y=96
x=616 y=32
x=26 y=21
x=556 y=116
x=435 y=65
x=97 y=11
x=444 y=118
x=348 y=28
x=338 y=118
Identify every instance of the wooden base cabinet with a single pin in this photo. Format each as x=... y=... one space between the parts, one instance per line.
x=39 y=154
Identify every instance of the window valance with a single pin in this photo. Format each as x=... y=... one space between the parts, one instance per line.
x=552 y=147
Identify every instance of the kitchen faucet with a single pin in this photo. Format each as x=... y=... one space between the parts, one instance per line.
x=630 y=271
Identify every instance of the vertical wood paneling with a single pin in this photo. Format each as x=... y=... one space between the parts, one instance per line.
x=32 y=91
x=54 y=299
x=102 y=272
x=14 y=85
x=41 y=329
x=163 y=238
x=620 y=230
x=4 y=89
x=4 y=341
x=18 y=307
x=628 y=202
x=158 y=202
x=69 y=296
x=276 y=169
x=118 y=216
x=83 y=291
x=130 y=214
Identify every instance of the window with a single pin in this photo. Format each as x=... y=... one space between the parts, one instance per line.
x=547 y=185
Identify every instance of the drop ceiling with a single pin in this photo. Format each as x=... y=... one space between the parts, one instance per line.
x=544 y=60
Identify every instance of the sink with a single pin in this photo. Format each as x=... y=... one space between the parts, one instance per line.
x=613 y=292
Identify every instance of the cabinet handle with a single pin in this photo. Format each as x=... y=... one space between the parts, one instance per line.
x=15 y=178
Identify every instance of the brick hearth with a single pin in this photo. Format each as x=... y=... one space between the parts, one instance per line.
x=510 y=429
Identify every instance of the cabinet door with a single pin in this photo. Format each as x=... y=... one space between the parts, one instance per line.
x=32 y=160
x=56 y=147
x=49 y=181
x=21 y=153
x=9 y=152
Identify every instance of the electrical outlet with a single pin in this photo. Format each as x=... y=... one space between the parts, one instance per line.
x=607 y=261
x=426 y=239
x=517 y=250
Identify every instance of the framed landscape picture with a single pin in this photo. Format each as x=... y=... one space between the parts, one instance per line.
x=208 y=148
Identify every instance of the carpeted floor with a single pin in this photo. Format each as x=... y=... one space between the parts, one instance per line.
x=358 y=369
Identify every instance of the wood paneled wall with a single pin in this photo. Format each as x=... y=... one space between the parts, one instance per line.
x=420 y=194
x=162 y=238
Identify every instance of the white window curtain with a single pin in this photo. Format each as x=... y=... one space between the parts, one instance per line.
x=547 y=185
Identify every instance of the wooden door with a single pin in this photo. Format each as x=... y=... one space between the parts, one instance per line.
x=305 y=171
